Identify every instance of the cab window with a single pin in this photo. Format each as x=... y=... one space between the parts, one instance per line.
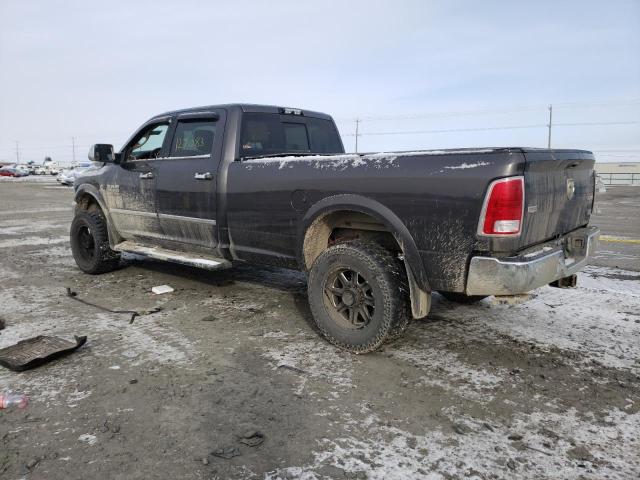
x=295 y=137
x=273 y=134
x=148 y=144
x=192 y=138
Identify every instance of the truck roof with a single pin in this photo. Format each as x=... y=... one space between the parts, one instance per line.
x=247 y=108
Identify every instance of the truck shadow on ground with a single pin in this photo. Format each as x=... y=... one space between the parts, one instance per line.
x=288 y=281
x=292 y=282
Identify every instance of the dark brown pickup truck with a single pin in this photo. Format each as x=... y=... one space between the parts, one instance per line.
x=377 y=233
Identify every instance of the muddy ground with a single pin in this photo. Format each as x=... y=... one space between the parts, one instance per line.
x=548 y=388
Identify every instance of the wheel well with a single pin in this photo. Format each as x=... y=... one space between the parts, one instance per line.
x=89 y=203
x=341 y=226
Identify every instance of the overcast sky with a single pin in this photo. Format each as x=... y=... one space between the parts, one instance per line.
x=96 y=70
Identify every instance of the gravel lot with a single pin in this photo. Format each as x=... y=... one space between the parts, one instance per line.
x=547 y=388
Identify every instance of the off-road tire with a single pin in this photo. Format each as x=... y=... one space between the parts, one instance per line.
x=87 y=227
x=384 y=275
x=457 y=297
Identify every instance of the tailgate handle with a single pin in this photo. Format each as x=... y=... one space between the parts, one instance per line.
x=203 y=176
x=573 y=165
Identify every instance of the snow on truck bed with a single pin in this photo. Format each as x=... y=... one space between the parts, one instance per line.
x=377 y=160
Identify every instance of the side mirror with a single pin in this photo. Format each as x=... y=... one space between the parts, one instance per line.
x=102 y=153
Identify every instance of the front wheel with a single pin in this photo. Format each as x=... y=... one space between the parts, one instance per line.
x=90 y=243
x=358 y=295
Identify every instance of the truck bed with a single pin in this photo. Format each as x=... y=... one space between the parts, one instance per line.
x=436 y=194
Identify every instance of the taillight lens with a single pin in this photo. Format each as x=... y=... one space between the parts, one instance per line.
x=503 y=208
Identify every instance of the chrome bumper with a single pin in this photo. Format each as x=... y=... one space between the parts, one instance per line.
x=525 y=272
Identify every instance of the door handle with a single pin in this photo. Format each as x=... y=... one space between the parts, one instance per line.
x=203 y=176
x=146 y=176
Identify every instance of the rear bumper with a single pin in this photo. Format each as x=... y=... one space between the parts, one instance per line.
x=525 y=272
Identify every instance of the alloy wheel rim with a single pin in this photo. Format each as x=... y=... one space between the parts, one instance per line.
x=350 y=297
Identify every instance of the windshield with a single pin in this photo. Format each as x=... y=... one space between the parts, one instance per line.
x=273 y=134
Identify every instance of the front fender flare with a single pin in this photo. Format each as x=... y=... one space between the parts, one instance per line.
x=93 y=191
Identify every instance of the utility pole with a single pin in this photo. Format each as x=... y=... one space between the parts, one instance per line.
x=17 y=151
x=357 y=126
x=550 y=124
x=73 y=149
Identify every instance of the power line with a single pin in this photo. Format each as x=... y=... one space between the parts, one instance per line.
x=419 y=116
x=604 y=103
x=595 y=124
x=621 y=102
x=451 y=130
x=618 y=150
x=507 y=127
x=628 y=155
x=359 y=119
x=51 y=147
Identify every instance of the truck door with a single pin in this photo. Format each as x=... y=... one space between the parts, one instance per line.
x=186 y=181
x=131 y=194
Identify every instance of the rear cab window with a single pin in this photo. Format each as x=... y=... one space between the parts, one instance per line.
x=295 y=137
x=270 y=134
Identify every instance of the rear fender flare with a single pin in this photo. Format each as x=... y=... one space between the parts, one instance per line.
x=418 y=281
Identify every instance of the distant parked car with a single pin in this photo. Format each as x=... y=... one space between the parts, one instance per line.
x=23 y=168
x=11 y=172
x=40 y=170
x=68 y=176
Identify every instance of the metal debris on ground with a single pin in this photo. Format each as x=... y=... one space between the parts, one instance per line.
x=160 y=289
x=293 y=369
x=252 y=438
x=133 y=313
x=33 y=352
x=226 y=452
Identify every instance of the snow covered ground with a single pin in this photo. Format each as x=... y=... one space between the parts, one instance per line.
x=599 y=322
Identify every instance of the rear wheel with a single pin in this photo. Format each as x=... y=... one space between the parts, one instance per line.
x=461 y=297
x=90 y=243
x=358 y=295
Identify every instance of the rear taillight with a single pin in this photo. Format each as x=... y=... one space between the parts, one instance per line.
x=503 y=208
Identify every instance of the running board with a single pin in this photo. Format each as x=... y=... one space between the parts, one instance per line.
x=201 y=261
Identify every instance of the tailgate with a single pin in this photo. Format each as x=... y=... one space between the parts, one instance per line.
x=559 y=189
